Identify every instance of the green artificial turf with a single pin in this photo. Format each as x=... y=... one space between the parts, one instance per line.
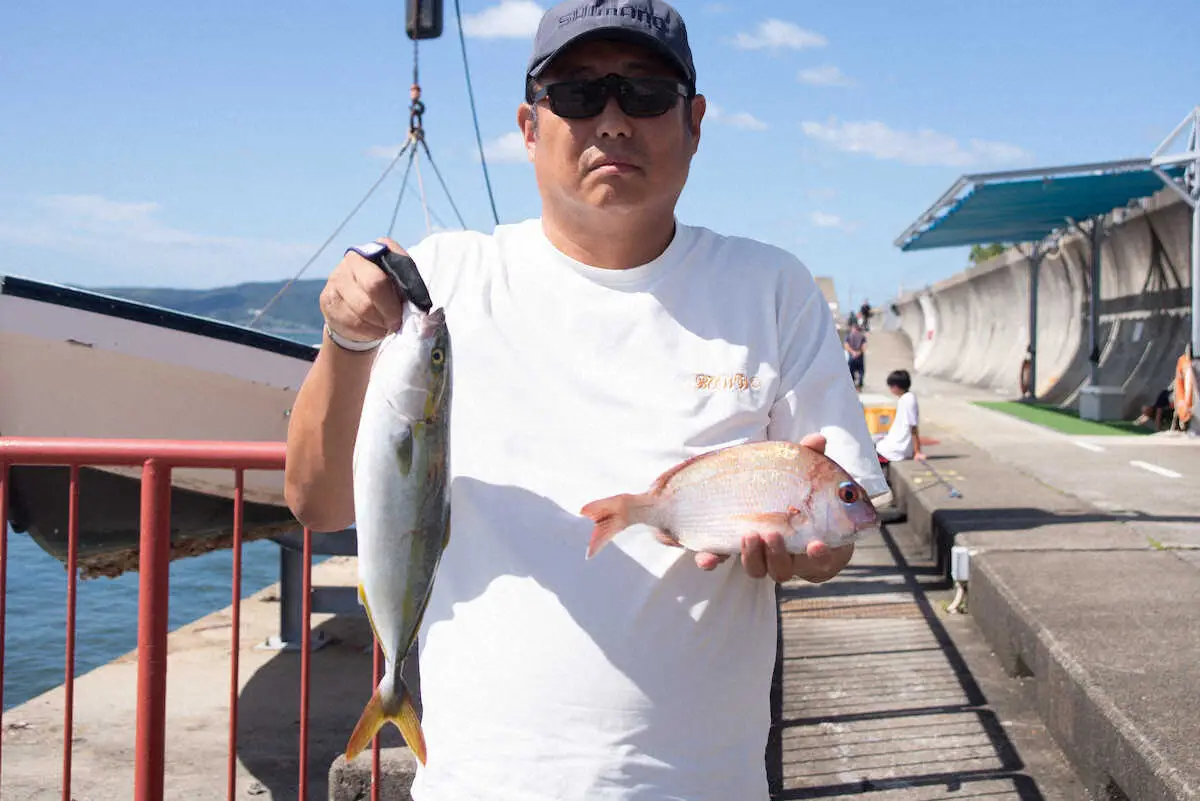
x=1064 y=420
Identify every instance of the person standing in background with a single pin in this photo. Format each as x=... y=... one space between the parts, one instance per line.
x=855 y=347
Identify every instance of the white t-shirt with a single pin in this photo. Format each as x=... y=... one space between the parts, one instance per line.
x=634 y=675
x=897 y=444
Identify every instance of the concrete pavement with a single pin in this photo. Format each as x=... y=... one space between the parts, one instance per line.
x=1084 y=579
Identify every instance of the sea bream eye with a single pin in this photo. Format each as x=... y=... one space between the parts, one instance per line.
x=847 y=492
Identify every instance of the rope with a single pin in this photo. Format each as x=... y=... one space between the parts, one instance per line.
x=403 y=185
x=445 y=188
x=474 y=116
x=424 y=203
x=332 y=236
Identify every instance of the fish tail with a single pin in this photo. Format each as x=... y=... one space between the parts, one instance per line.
x=385 y=706
x=612 y=516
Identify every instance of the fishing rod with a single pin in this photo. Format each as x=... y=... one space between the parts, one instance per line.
x=954 y=493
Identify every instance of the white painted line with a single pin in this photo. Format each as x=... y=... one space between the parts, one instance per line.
x=1153 y=468
x=1087 y=446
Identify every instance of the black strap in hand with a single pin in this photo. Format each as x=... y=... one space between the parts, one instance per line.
x=401 y=269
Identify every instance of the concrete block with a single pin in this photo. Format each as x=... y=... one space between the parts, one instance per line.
x=1101 y=403
x=351 y=781
x=1115 y=692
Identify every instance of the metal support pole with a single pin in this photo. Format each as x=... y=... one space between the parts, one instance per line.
x=1035 y=261
x=1196 y=272
x=154 y=566
x=1094 y=311
x=1194 y=147
x=291 y=596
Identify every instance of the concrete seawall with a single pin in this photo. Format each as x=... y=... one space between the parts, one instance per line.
x=973 y=328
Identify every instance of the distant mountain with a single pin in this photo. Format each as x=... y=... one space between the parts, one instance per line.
x=296 y=314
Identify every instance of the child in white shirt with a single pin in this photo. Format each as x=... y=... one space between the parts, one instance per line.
x=903 y=438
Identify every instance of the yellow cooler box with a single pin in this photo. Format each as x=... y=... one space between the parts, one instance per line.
x=879 y=411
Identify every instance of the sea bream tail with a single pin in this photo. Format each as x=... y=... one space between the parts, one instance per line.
x=614 y=515
x=386 y=704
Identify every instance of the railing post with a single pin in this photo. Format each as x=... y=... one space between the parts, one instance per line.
x=154 y=566
x=3 y=570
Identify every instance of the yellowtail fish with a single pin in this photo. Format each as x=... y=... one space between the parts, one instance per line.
x=402 y=507
x=710 y=501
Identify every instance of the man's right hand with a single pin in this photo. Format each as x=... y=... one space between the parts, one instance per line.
x=359 y=301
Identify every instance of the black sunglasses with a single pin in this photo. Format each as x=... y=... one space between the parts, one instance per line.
x=637 y=97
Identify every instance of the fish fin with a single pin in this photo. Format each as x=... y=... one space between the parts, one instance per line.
x=379 y=711
x=661 y=482
x=362 y=599
x=410 y=726
x=404 y=450
x=612 y=516
x=765 y=522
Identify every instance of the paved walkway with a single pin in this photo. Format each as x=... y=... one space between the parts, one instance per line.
x=886 y=695
x=1148 y=479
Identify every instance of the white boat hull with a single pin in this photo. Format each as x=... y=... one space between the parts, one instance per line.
x=78 y=364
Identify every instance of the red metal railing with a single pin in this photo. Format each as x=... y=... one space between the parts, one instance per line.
x=158 y=458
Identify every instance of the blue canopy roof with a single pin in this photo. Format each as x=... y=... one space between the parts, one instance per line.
x=1026 y=206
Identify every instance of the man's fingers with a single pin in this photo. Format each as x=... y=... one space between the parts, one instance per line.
x=819 y=554
x=778 y=560
x=380 y=292
x=754 y=556
x=356 y=315
x=814 y=441
x=708 y=561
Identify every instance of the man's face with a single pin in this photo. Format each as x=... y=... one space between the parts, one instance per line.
x=612 y=161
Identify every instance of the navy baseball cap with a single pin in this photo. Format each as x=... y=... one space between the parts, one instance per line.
x=651 y=23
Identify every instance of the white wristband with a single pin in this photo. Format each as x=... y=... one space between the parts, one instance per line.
x=355 y=345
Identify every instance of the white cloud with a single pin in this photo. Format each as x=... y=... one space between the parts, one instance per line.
x=508 y=148
x=510 y=19
x=824 y=76
x=738 y=119
x=746 y=121
x=823 y=220
x=122 y=242
x=775 y=34
x=924 y=147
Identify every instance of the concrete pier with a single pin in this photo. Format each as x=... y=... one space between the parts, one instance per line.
x=198 y=712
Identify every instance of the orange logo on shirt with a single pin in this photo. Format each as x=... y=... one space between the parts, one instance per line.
x=740 y=382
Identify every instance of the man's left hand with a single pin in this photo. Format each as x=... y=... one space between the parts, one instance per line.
x=767 y=554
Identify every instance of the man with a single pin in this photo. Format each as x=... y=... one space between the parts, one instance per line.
x=855 y=346
x=595 y=347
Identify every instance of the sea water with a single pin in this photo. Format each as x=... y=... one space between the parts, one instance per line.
x=106 y=609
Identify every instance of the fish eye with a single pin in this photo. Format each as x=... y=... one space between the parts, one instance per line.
x=437 y=356
x=847 y=492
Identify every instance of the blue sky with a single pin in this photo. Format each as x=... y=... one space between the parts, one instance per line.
x=201 y=144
